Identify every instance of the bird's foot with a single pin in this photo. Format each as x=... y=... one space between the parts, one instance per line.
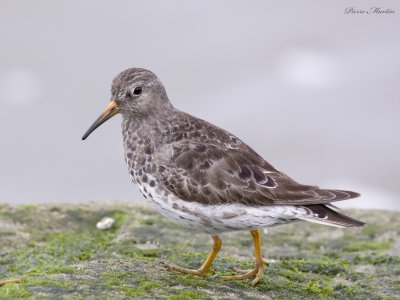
x=248 y=270
x=200 y=272
x=258 y=272
x=4 y=282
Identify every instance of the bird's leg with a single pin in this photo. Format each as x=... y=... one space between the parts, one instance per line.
x=258 y=271
x=206 y=266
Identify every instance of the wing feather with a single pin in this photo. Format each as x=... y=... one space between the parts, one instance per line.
x=212 y=166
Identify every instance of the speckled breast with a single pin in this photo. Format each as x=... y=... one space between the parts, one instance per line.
x=139 y=152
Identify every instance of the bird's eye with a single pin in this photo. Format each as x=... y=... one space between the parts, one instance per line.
x=137 y=90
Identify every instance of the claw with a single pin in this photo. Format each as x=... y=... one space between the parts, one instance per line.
x=164 y=265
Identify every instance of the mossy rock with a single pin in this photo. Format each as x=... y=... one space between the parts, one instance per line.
x=57 y=252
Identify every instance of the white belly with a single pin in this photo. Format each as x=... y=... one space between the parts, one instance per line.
x=219 y=218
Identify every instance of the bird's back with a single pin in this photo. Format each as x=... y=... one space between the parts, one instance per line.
x=204 y=163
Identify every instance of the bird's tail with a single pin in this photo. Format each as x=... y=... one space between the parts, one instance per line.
x=322 y=214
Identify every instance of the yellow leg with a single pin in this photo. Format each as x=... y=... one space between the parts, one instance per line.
x=206 y=266
x=258 y=271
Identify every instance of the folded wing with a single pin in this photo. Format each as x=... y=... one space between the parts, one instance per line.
x=211 y=173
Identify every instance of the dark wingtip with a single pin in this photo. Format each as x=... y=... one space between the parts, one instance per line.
x=351 y=222
x=325 y=214
x=353 y=194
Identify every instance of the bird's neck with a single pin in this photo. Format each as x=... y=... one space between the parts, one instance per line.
x=143 y=135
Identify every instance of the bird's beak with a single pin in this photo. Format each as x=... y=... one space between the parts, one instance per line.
x=111 y=110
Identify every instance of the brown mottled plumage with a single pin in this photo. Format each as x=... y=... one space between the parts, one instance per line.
x=205 y=177
x=219 y=168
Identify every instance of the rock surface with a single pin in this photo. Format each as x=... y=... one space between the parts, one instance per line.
x=58 y=253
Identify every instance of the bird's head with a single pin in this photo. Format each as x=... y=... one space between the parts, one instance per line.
x=135 y=93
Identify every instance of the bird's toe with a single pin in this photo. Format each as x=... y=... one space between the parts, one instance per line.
x=258 y=272
x=198 y=272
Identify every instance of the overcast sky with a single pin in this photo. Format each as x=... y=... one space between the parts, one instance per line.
x=312 y=89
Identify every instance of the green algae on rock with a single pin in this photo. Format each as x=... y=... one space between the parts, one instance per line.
x=57 y=251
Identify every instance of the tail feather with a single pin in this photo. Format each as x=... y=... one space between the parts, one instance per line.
x=322 y=214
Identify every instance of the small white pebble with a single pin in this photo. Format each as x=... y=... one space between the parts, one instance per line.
x=105 y=223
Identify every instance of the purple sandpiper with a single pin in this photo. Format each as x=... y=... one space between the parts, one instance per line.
x=205 y=177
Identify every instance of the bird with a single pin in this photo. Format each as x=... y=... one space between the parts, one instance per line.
x=206 y=178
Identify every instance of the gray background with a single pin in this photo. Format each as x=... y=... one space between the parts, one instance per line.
x=315 y=91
